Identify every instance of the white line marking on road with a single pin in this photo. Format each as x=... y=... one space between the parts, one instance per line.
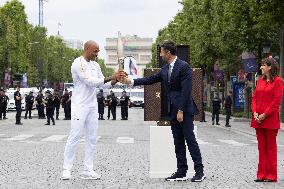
x=254 y=141
x=83 y=139
x=54 y=138
x=125 y=140
x=199 y=141
x=19 y=137
x=232 y=142
x=2 y=135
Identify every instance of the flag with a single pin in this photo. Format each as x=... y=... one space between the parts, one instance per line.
x=132 y=68
x=24 y=81
x=249 y=62
x=7 y=77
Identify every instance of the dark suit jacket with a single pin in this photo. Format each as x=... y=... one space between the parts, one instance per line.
x=178 y=89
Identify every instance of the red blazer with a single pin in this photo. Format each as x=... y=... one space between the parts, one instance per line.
x=266 y=99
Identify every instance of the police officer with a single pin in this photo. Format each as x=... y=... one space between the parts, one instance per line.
x=50 y=106
x=6 y=100
x=40 y=105
x=68 y=107
x=113 y=104
x=124 y=102
x=228 y=103
x=57 y=101
x=18 y=102
x=101 y=104
x=29 y=104
x=216 y=103
x=65 y=98
x=107 y=101
x=2 y=94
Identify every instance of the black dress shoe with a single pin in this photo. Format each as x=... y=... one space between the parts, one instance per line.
x=269 y=180
x=217 y=123
x=198 y=177
x=47 y=124
x=177 y=177
x=259 y=180
x=19 y=123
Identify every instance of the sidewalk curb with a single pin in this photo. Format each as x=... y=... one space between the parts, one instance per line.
x=237 y=119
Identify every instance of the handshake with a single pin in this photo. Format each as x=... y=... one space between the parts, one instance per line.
x=120 y=76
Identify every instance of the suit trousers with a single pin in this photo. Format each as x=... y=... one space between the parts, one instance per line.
x=267 y=149
x=82 y=118
x=183 y=132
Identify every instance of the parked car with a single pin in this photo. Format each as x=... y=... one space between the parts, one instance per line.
x=137 y=98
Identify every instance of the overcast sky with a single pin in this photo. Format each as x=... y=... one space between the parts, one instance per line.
x=99 y=19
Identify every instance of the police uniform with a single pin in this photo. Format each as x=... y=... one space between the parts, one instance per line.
x=50 y=106
x=101 y=105
x=29 y=105
x=18 y=103
x=2 y=95
x=87 y=76
x=57 y=104
x=124 y=100
x=113 y=104
x=40 y=106
x=6 y=100
x=67 y=109
x=108 y=98
x=216 y=104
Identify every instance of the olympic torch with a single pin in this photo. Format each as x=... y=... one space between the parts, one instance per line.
x=120 y=54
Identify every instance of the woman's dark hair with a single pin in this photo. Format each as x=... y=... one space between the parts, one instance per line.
x=169 y=46
x=274 y=67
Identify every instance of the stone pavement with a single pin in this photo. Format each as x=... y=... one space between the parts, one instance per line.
x=31 y=156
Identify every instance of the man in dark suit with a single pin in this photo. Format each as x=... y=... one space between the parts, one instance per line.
x=176 y=76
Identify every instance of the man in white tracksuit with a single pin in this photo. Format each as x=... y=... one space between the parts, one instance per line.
x=87 y=76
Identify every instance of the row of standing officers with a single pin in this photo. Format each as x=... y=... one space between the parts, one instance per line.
x=50 y=102
x=111 y=101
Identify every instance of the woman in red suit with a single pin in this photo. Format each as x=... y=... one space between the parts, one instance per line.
x=266 y=100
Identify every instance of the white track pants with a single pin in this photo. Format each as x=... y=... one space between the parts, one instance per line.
x=87 y=119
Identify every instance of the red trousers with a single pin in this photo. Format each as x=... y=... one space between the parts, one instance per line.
x=267 y=148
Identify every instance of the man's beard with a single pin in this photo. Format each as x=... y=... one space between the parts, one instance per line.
x=164 y=59
x=94 y=58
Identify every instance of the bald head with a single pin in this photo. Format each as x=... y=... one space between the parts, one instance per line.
x=90 y=44
x=91 y=50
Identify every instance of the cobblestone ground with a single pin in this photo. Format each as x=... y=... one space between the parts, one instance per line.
x=31 y=155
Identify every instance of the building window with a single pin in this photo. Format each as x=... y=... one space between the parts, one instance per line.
x=135 y=56
x=112 y=58
x=145 y=58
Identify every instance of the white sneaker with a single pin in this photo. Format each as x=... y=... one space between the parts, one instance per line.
x=90 y=175
x=66 y=175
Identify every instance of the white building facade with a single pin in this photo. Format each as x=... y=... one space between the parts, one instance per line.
x=138 y=48
x=74 y=43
